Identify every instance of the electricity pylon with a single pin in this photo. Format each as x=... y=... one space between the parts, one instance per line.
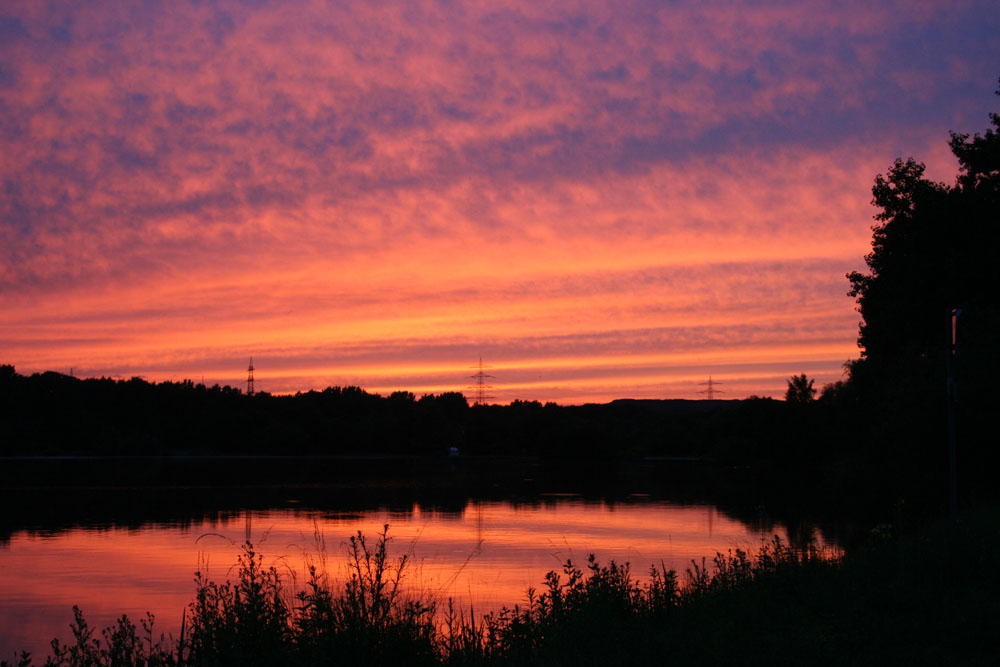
x=481 y=387
x=711 y=391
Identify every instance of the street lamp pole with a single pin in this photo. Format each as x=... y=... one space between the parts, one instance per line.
x=951 y=357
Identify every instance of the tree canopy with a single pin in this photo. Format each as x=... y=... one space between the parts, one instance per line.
x=800 y=389
x=935 y=248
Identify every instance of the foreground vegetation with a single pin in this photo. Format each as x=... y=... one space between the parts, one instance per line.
x=925 y=599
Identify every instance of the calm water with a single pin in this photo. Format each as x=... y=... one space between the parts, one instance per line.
x=483 y=552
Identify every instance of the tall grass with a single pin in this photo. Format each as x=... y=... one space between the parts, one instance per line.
x=371 y=621
x=775 y=606
x=600 y=614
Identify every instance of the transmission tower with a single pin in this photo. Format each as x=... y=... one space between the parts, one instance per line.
x=250 y=378
x=711 y=391
x=481 y=387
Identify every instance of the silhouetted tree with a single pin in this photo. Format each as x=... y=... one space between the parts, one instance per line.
x=800 y=389
x=832 y=391
x=934 y=248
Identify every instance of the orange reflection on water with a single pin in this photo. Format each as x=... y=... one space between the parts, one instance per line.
x=484 y=556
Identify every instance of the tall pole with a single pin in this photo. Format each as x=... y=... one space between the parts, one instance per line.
x=951 y=356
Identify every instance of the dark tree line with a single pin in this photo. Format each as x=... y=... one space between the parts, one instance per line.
x=54 y=414
x=50 y=413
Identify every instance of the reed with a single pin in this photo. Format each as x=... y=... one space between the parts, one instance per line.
x=775 y=606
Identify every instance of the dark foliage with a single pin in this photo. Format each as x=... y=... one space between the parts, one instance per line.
x=800 y=389
x=54 y=414
x=50 y=413
x=934 y=249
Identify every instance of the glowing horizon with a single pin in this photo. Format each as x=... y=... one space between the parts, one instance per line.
x=601 y=202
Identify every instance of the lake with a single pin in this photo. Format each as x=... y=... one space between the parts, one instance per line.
x=481 y=534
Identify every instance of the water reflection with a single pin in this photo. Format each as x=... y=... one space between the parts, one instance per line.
x=485 y=554
x=126 y=536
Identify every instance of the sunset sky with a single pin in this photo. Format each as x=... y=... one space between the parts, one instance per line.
x=601 y=199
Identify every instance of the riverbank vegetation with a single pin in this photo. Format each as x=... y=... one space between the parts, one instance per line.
x=925 y=598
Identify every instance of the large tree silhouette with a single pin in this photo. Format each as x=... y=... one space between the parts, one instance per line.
x=935 y=248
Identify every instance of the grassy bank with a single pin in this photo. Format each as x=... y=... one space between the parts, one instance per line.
x=927 y=597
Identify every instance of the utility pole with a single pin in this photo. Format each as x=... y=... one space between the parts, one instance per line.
x=950 y=362
x=711 y=391
x=481 y=387
x=250 y=378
